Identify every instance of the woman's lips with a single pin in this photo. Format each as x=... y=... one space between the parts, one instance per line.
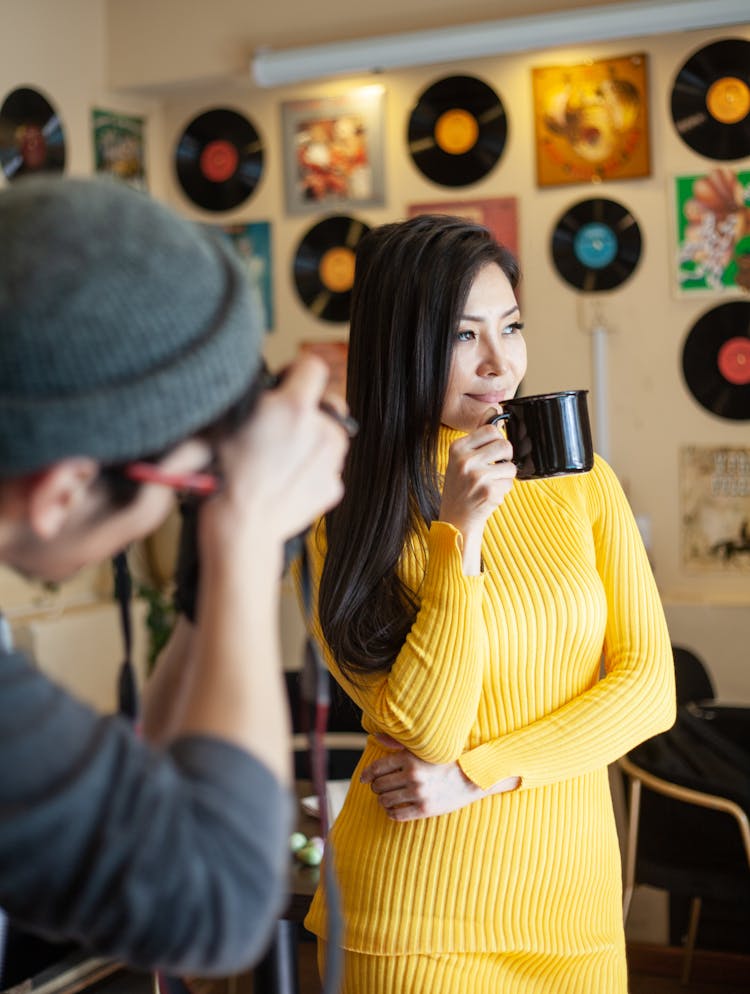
x=489 y=398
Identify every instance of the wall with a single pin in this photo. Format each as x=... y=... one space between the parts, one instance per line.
x=170 y=62
x=651 y=412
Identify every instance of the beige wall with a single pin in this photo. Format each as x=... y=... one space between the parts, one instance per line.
x=171 y=60
x=651 y=413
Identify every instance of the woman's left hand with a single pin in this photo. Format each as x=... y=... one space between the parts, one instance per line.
x=408 y=787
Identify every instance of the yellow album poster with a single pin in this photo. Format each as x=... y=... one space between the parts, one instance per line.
x=591 y=121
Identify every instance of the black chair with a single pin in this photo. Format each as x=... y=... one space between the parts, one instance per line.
x=689 y=797
x=692 y=680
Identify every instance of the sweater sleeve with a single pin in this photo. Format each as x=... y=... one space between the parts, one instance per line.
x=173 y=859
x=428 y=700
x=633 y=701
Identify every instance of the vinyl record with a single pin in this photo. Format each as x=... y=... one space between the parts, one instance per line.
x=711 y=100
x=596 y=245
x=457 y=131
x=219 y=159
x=716 y=360
x=324 y=266
x=31 y=135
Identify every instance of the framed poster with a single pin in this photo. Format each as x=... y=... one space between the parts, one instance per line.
x=334 y=354
x=712 y=231
x=119 y=146
x=715 y=509
x=499 y=214
x=252 y=242
x=333 y=151
x=591 y=121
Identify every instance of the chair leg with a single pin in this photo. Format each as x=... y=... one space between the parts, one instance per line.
x=687 y=963
x=631 y=846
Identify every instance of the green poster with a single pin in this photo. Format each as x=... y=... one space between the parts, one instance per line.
x=713 y=230
x=118 y=146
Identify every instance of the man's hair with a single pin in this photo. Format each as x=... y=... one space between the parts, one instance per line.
x=124 y=328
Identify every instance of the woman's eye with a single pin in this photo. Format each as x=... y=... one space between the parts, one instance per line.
x=513 y=329
x=465 y=335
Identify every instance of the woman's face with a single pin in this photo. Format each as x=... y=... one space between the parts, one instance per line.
x=489 y=354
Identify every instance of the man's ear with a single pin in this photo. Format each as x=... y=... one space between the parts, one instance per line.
x=57 y=494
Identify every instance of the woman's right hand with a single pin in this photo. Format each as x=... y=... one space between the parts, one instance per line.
x=478 y=478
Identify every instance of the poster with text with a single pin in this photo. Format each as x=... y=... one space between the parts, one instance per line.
x=715 y=509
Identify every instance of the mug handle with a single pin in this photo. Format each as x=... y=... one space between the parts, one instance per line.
x=498 y=418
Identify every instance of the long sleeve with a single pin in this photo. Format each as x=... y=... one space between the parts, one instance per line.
x=172 y=859
x=429 y=699
x=634 y=700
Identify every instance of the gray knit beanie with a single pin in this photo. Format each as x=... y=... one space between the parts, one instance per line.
x=123 y=328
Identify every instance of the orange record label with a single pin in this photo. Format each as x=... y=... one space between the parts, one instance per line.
x=728 y=100
x=456 y=131
x=337 y=269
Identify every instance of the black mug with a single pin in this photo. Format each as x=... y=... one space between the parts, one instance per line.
x=550 y=434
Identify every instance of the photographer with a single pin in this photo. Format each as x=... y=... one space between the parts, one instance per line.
x=129 y=347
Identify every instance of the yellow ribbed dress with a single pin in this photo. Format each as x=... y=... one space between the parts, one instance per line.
x=501 y=672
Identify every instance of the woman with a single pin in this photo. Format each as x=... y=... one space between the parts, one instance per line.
x=467 y=614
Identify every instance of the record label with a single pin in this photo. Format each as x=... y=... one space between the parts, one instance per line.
x=734 y=360
x=337 y=269
x=323 y=266
x=596 y=245
x=31 y=135
x=716 y=360
x=711 y=100
x=219 y=159
x=457 y=131
x=728 y=100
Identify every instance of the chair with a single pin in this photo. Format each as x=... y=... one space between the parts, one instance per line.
x=692 y=842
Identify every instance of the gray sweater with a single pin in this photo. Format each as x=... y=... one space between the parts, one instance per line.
x=176 y=859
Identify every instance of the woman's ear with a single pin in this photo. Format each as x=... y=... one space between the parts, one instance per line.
x=58 y=493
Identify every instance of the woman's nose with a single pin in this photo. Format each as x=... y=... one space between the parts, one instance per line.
x=493 y=361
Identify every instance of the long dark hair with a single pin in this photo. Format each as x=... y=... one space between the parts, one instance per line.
x=411 y=283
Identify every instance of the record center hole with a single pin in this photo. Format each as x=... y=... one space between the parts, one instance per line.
x=456 y=131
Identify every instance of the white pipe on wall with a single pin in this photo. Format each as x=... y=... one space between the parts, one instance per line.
x=601 y=391
x=416 y=48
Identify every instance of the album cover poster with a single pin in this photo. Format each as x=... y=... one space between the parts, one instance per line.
x=715 y=509
x=119 y=146
x=591 y=121
x=712 y=230
x=333 y=151
x=252 y=243
x=334 y=354
x=498 y=214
